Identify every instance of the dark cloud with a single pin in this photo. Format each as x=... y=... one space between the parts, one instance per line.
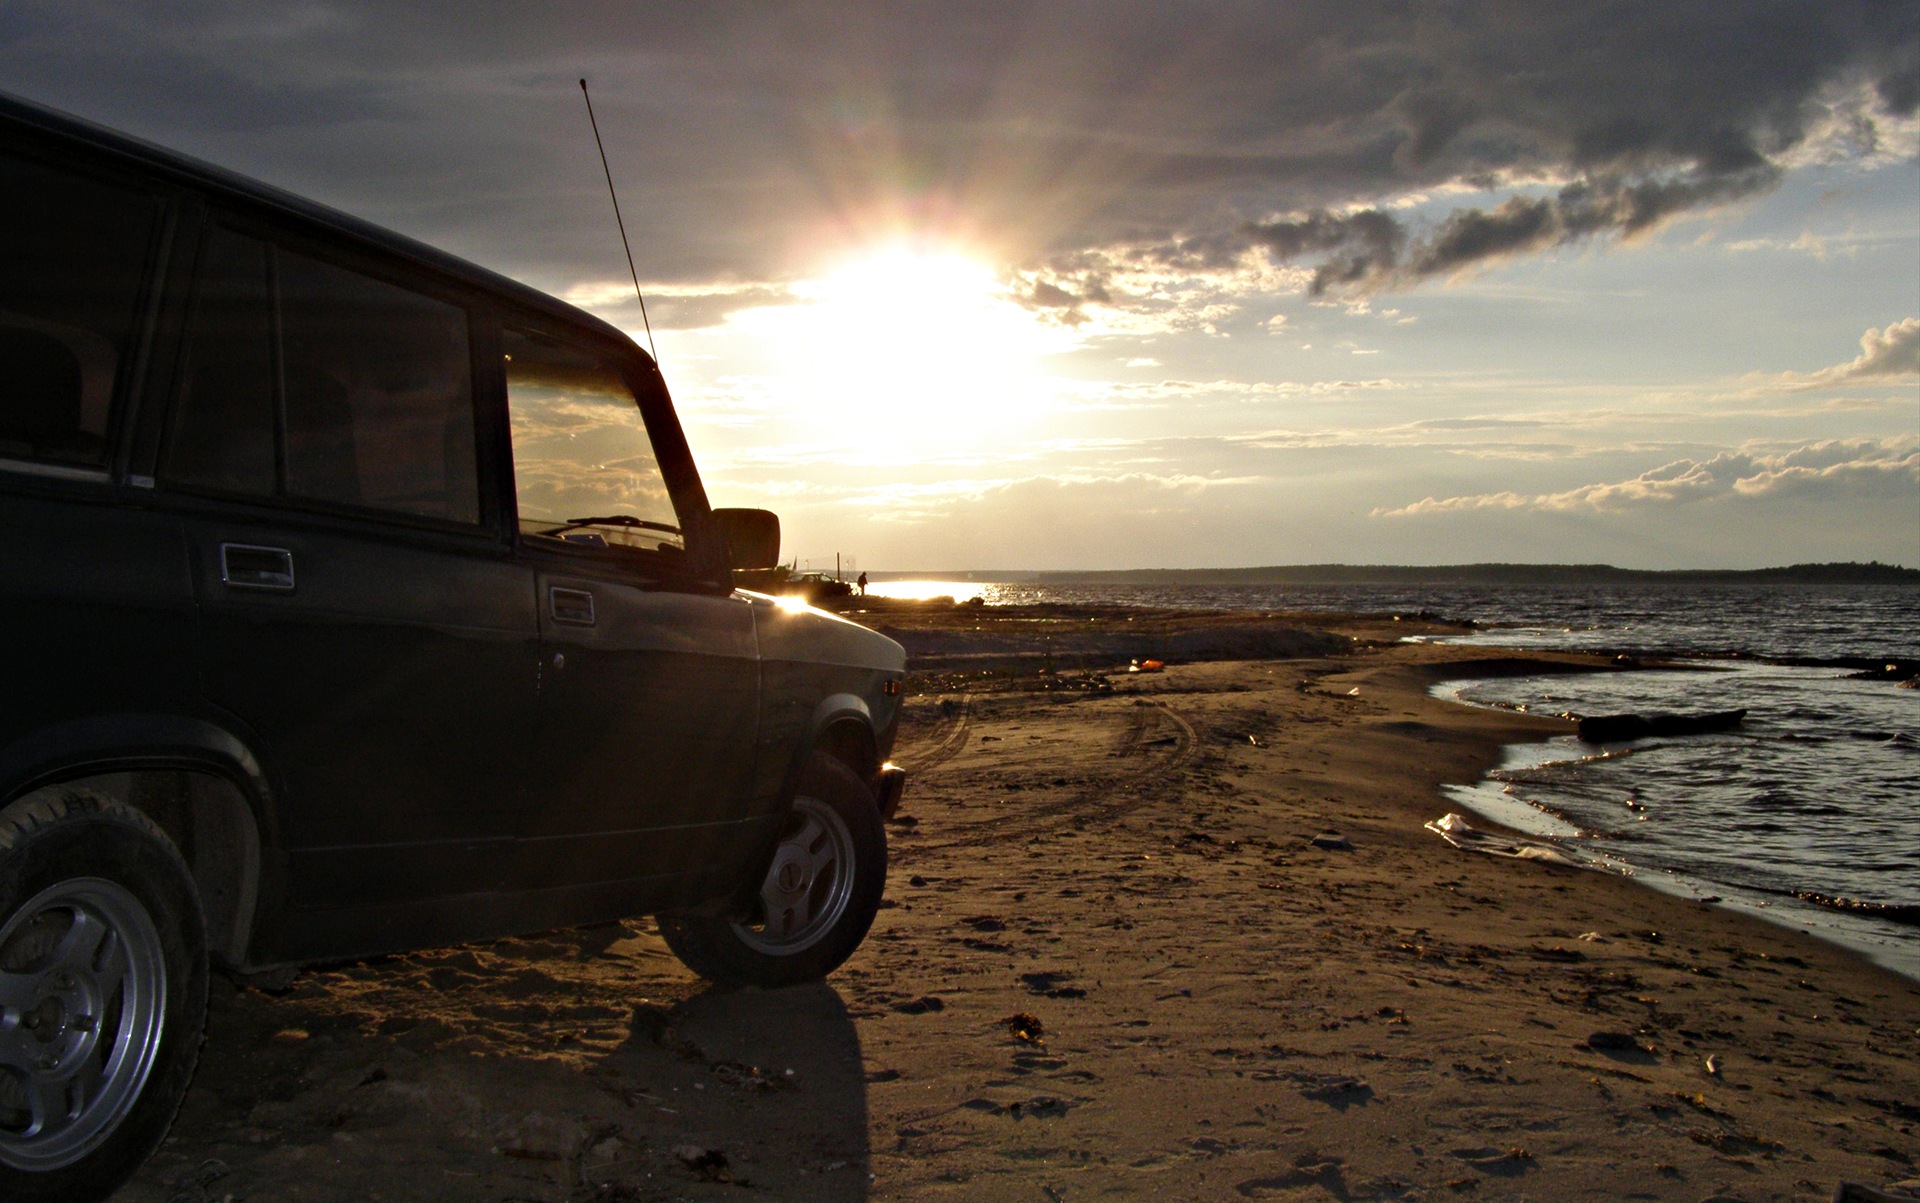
x=747 y=137
x=1370 y=249
x=1066 y=305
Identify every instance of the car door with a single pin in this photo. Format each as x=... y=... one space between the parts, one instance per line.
x=94 y=597
x=649 y=678
x=362 y=619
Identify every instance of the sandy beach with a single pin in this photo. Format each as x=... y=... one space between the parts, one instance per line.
x=1114 y=963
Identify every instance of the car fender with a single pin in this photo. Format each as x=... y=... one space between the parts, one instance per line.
x=108 y=743
x=842 y=724
x=133 y=741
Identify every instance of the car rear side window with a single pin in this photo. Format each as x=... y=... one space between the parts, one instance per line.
x=308 y=380
x=75 y=258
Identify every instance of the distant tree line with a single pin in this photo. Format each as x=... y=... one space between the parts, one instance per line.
x=1848 y=573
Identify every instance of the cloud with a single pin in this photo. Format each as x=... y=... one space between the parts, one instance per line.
x=674 y=307
x=1839 y=469
x=1152 y=134
x=1068 y=306
x=1886 y=355
x=1372 y=250
x=1160 y=391
x=1047 y=500
x=1480 y=423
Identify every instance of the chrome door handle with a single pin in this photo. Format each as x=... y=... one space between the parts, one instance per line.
x=244 y=566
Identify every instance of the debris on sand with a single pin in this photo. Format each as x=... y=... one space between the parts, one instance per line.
x=1615 y=1042
x=1044 y=1107
x=1025 y=1028
x=1052 y=984
x=710 y=1164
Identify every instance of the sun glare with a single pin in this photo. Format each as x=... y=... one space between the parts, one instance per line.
x=906 y=350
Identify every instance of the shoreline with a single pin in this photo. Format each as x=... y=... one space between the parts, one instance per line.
x=1113 y=963
x=1886 y=934
x=1534 y=960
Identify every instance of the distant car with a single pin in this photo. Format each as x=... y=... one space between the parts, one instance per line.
x=816 y=587
x=359 y=599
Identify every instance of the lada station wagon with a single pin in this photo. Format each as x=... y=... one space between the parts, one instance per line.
x=358 y=599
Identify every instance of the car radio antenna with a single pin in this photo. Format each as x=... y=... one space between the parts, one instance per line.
x=619 y=222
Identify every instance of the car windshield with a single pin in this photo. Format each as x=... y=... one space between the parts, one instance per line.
x=584 y=469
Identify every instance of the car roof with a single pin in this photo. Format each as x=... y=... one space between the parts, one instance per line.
x=19 y=113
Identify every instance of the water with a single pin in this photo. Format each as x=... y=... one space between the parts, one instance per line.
x=1809 y=802
x=1808 y=805
x=1812 y=621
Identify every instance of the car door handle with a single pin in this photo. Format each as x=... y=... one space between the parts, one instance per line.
x=244 y=566
x=571 y=606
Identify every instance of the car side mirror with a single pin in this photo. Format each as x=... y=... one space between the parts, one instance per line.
x=752 y=538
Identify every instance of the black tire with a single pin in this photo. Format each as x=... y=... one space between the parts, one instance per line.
x=103 y=994
x=818 y=898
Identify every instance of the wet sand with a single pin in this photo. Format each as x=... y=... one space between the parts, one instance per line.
x=1113 y=964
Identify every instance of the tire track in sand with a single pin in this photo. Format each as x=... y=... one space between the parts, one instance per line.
x=1152 y=768
x=947 y=739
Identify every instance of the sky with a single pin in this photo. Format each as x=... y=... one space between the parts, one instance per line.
x=1084 y=285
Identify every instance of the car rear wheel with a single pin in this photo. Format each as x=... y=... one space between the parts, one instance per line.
x=103 y=992
x=817 y=900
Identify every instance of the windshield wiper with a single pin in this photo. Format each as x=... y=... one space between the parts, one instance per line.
x=626 y=520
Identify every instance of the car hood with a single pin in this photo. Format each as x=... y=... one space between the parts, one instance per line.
x=789 y=629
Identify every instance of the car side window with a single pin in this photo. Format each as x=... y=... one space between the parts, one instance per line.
x=75 y=258
x=583 y=466
x=308 y=380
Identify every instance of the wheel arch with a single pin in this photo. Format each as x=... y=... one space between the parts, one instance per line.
x=841 y=727
x=199 y=783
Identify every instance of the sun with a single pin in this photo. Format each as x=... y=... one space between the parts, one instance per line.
x=908 y=349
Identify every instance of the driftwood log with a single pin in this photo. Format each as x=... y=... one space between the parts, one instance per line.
x=1619 y=728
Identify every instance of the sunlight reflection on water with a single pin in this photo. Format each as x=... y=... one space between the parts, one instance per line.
x=959 y=591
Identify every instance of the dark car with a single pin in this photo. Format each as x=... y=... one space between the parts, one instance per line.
x=359 y=599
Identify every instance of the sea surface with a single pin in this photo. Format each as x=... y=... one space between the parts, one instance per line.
x=1807 y=814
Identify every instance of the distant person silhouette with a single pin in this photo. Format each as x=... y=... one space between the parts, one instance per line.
x=862 y=583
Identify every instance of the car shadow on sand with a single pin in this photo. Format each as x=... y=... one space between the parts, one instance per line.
x=582 y=1066
x=779 y=1096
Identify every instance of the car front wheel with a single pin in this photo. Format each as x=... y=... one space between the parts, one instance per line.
x=103 y=991
x=817 y=900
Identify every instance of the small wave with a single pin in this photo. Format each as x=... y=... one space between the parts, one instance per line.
x=1456 y=831
x=1892 y=912
x=1550 y=770
x=1806 y=714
